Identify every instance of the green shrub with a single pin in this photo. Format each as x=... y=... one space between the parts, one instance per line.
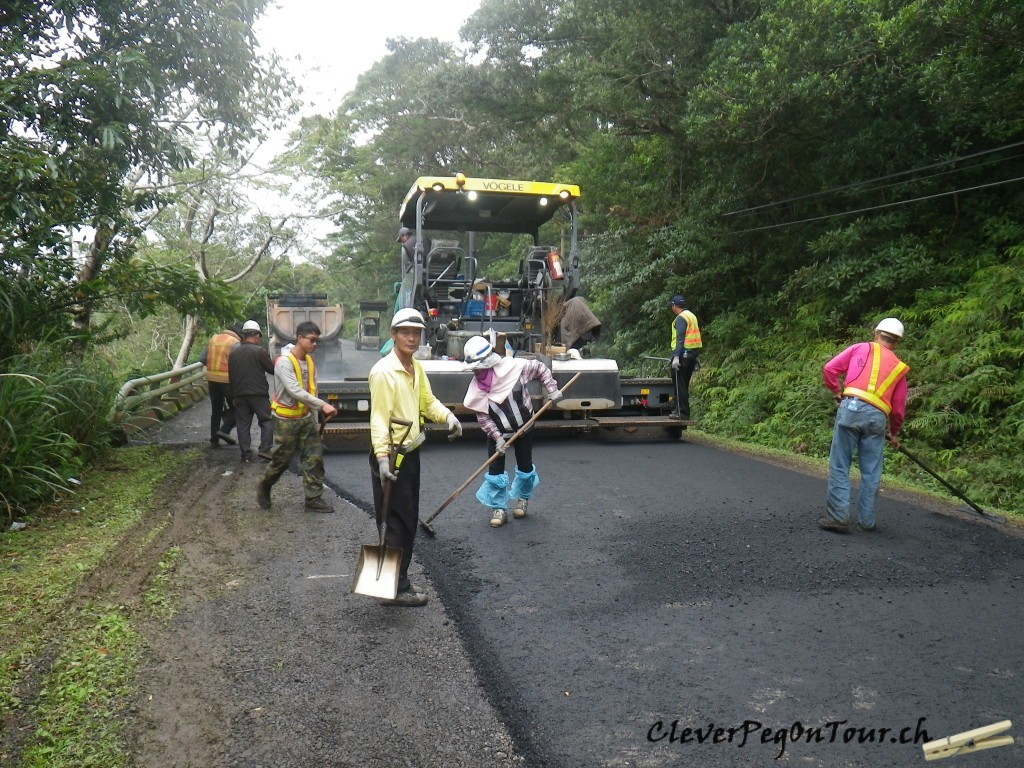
x=53 y=413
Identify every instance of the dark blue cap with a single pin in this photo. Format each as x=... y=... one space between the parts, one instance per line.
x=677 y=300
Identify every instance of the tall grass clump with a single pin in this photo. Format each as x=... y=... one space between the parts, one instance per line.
x=53 y=420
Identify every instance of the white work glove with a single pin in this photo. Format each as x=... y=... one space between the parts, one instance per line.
x=499 y=445
x=675 y=362
x=384 y=467
x=454 y=427
x=555 y=396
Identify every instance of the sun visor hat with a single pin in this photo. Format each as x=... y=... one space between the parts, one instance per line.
x=407 y=318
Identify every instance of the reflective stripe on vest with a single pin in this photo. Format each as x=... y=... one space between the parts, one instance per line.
x=217 y=352
x=866 y=385
x=300 y=409
x=692 y=338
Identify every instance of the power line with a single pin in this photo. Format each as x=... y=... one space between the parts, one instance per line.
x=855 y=184
x=877 y=207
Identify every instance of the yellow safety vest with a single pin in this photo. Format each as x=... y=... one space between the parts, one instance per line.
x=867 y=387
x=300 y=409
x=692 y=338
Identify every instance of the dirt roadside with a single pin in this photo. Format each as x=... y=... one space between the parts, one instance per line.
x=270 y=660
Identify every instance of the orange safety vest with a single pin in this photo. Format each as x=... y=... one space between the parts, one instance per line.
x=692 y=338
x=300 y=409
x=875 y=382
x=217 y=352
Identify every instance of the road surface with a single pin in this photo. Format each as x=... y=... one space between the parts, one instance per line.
x=658 y=587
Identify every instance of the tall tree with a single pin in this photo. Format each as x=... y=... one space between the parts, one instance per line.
x=94 y=92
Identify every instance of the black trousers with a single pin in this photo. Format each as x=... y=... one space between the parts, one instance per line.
x=687 y=364
x=523 y=448
x=403 y=509
x=247 y=406
x=222 y=410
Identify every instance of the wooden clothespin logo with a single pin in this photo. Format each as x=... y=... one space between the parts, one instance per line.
x=985 y=737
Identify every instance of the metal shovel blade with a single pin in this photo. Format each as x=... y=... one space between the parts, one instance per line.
x=371 y=563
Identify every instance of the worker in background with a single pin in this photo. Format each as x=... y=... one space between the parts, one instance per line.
x=399 y=389
x=498 y=396
x=869 y=384
x=686 y=345
x=215 y=358
x=248 y=366
x=296 y=430
x=408 y=240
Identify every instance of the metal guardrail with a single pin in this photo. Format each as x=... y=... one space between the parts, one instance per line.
x=148 y=390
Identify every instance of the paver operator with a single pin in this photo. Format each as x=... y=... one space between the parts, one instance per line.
x=686 y=345
x=399 y=389
x=498 y=396
x=872 y=400
x=295 y=406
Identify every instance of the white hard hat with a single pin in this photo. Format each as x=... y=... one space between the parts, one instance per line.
x=891 y=326
x=479 y=353
x=251 y=325
x=407 y=318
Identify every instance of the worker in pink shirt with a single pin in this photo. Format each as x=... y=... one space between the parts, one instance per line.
x=871 y=398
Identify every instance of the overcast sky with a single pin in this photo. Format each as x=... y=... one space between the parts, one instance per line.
x=327 y=44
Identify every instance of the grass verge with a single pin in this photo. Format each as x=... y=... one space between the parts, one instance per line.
x=67 y=665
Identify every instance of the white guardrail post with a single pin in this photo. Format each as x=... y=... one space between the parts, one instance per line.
x=147 y=399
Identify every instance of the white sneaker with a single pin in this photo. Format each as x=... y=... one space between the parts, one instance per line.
x=520 y=511
x=498 y=518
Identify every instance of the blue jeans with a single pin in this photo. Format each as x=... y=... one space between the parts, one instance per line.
x=859 y=427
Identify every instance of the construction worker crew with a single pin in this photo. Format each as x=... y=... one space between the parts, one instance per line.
x=248 y=365
x=498 y=396
x=872 y=397
x=686 y=345
x=399 y=389
x=215 y=358
x=295 y=406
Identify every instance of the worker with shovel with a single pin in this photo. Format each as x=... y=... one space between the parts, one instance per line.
x=498 y=396
x=400 y=394
x=872 y=402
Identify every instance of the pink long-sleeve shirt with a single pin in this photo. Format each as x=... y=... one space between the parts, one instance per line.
x=848 y=364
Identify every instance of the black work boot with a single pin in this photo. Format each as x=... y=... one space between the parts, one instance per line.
x=262 y=494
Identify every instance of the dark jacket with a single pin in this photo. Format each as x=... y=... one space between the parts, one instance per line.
x=248 y=366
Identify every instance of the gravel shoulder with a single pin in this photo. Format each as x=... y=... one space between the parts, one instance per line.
x=270 y=660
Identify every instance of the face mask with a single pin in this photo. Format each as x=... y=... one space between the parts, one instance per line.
x=484 y=379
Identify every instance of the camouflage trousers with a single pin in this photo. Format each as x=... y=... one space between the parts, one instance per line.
x=300 y=436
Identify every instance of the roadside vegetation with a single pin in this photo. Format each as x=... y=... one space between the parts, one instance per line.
x=70 y=648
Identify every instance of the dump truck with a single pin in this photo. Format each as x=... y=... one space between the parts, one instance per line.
x=286 y=311
x=535 y=312
x=369 y=323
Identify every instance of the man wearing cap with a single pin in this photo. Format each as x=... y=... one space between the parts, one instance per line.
x=686 y=345
x=248 y=366
x=408 y=240
x=295 y=407
x=872 y=399
x=499 y=397
x=399 y=389
x=215 y=357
